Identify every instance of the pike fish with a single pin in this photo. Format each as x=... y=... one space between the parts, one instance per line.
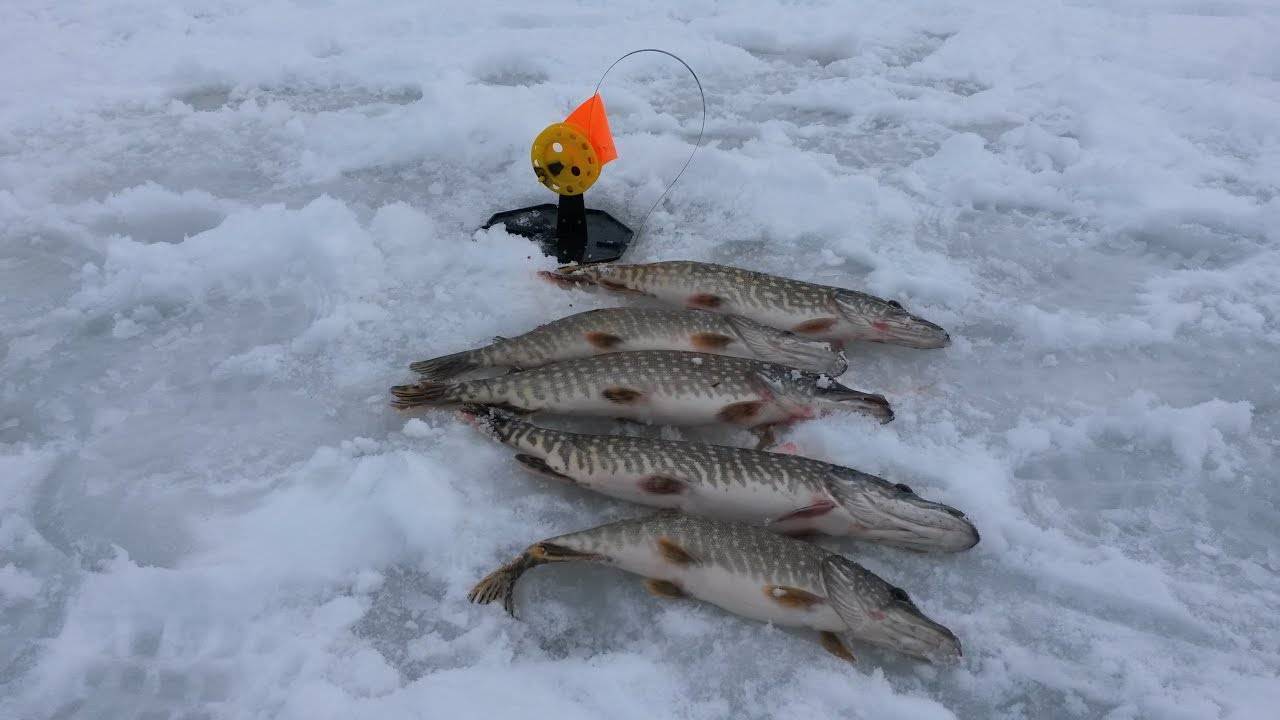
x=815 y=311
x=786 y=493
x=623 y=329
x=748 y=571
x=658 y=386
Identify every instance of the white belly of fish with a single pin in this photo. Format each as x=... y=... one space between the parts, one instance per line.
x=665 y=410
x=738 y=593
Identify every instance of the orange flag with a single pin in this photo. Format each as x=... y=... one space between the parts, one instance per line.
x=590 y=119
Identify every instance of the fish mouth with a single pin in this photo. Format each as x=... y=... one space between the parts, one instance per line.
x=911 y=331
x=911 y=632
x=839 y=397
x=956 y=537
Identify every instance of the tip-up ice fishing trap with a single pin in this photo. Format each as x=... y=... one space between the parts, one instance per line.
x=567 y=159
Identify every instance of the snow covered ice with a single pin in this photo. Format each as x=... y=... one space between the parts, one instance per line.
x=227 y=228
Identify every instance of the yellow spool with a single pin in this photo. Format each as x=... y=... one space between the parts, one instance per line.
x=564 y=160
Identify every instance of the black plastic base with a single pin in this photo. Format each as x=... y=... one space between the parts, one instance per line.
x=606 y=240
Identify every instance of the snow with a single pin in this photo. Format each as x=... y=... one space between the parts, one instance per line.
x=227 y=228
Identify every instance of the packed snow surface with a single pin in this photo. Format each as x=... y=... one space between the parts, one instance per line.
x=228 y=227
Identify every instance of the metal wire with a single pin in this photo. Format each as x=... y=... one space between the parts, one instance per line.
x=697 y=144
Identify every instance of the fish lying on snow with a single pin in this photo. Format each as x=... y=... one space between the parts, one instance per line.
x=821 y=312
x=787 y=493
x=658 y=386
x=620 y=329
x=748 y=571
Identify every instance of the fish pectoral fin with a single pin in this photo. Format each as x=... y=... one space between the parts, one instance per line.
x=662 y=485
x=740 y=413
x=815 y=326
x=663 y=589
x=706 y=301
x=821 y=507
x=622 y=395
x=792 y=597
x=602 y=340
x=765 y=437
x=709 y=341
x=672 y=552
x=538 y=466
x=832 y=643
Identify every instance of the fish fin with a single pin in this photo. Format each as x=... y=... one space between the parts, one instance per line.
x=765 y=437
x=663 y=589
x=706 y=301
x=538 y=466
x=446 y=366
x=602 y=340
x=815 y=326
x=424 y=393
x=622 y=395
x=832 y=643
x=792 y=597
x=709 y=342
x=563 y=280
x=617 y=287
x=659 y=485
x=740 y=413
x=673 y=553
x=809 y=511
x=501 y=583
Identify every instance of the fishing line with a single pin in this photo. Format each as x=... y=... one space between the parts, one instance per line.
x=701 y=130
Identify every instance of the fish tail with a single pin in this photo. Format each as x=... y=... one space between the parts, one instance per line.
x=501 y=583
x=447 y=366
x=424 y=393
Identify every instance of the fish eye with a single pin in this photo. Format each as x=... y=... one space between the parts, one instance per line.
x=896 y=304
x=905 y=488
x=900 y=594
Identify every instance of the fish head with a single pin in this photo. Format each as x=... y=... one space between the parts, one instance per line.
x=894 y=515
x=807 y=395
x=884 y=615
x=871 y=318
x=497 y=423
x=787 y=348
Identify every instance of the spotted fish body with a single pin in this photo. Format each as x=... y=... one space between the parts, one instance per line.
x=626 y=329
x=658 y=386
x=786 y=493
x=748 y=571
x=816 y=311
